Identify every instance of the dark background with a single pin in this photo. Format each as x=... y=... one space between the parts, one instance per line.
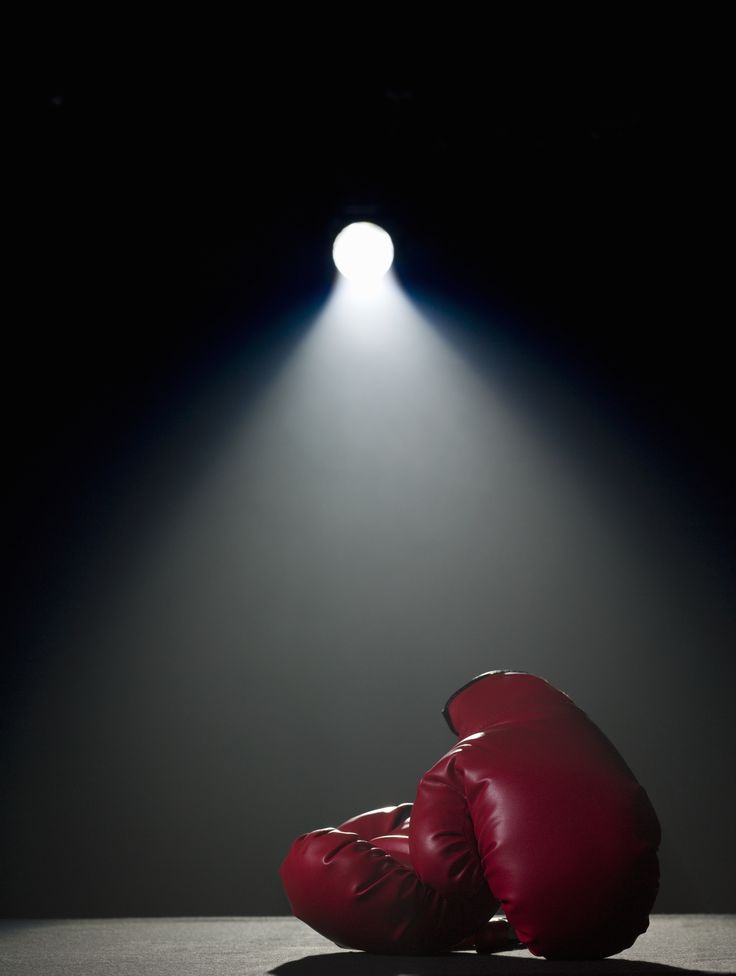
x=195 y=676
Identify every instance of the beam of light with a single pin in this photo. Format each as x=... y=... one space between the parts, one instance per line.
x=363 y=252
x=386 y=514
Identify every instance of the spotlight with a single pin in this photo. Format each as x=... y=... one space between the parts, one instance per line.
x=363 y=252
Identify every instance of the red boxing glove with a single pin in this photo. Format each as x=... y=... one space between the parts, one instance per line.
x=356 y=887
x=536 y=800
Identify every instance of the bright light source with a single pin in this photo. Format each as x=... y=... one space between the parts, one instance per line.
x=363 y=252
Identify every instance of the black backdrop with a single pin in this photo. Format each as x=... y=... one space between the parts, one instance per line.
x=556 y=206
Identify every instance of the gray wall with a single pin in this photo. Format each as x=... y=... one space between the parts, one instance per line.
x=258 y=632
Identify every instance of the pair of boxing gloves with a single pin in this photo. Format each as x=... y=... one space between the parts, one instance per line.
x=532 y=810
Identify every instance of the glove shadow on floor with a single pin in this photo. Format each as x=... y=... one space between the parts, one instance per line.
x=468 y=964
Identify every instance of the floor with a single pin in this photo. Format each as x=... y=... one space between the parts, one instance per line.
x=286 y=947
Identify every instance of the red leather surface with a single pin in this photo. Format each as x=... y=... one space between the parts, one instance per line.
x=384 y=820
x=387 y=828
x=360 y=896
x=536 y=800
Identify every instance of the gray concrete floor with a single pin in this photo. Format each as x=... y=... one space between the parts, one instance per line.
x=286 y=947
